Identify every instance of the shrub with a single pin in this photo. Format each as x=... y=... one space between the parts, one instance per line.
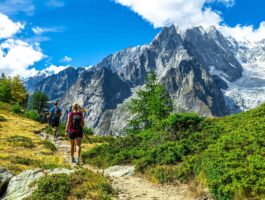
x=228 y=151
x=32 y=114
x=88 y=131
x=16 y=108
x=87 y=185
x=49 y=145
x=21 y=141
x=82 y=184
x=161 y=174
x=51 y=187
x=22 y=160
x=179 y=126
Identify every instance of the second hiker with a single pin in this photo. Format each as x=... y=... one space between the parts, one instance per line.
x=54 y=116
x=74 y=130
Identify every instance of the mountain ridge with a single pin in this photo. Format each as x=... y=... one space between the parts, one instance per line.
x=198 y=67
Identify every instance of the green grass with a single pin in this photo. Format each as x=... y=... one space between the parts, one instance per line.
x=21 y=141
x=229 y=152
x=49 y=145
x=2 y=119
x=21 y=149
x=82 y=184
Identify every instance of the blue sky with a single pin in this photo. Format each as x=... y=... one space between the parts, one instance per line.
x=86 y=31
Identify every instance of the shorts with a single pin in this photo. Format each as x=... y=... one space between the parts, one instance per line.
x=55 y=122
x=74 y=135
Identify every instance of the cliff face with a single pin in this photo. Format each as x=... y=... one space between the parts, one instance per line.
x=56 y=85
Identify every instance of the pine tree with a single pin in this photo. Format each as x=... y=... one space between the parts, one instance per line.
x=39 y=102
x=152 y=104
x=18 y=91
x=5 y=89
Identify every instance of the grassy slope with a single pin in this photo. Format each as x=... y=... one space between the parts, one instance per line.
x=227 y=155
x=20 y=148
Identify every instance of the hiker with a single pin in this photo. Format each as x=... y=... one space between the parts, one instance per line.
x=54 y=116
x=74 y=130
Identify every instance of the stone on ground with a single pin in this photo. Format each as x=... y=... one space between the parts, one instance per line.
x=119 y=171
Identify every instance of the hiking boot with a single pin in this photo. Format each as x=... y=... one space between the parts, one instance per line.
x=73 y=160
x=78 y=161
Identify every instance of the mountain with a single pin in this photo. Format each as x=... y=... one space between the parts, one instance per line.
x=54 y=85
x=183 y=62
x=204 y=72
x=31 y=82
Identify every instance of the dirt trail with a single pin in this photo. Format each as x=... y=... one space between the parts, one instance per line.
x=131 y=187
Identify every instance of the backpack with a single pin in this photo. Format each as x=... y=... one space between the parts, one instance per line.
x=57 y=112
x=76 y=121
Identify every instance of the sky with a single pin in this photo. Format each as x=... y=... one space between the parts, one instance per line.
x=51 y=35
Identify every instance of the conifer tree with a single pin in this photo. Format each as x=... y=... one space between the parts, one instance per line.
x=39 y=102
x=152 y=104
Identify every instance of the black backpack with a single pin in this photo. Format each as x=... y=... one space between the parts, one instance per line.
x=76 y=124
x=57 y=112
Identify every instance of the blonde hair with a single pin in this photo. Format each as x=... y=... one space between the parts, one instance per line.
x=75 y=107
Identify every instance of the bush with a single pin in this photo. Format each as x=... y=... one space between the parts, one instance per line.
x=229 y=151
x=82 y=184
x=16 y=108
x=51 y=187
x=22 y=160
x=49 y=145
x=88 y=131
x=21 y=141
x=161 y=174
x=32 y=114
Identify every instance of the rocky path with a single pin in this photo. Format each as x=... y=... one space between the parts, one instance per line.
x=131 y=187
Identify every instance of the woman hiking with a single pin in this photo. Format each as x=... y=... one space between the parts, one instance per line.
x=74 y=130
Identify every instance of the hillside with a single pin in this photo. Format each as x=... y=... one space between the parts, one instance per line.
x=34 y=169
x=21 y=148
x=226 y=155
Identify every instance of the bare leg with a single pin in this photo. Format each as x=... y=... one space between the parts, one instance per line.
x=72 y=148
x=56 y=129
x=78 y=147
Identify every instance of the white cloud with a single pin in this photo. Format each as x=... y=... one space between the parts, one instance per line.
x=190 y=13
x=39 y=30
x=53 y=69
x=183 y=13
x=17 y=56
x=227 y=3
x=10 y=7
x=66 y=59
x=55 y=3
x=243 y=33
x=8 y=28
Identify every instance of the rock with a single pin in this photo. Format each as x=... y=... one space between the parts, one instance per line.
x=119 y=171
x=5 y=177
x=19 y=186
x=60 y=171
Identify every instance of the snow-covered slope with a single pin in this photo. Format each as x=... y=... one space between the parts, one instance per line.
x=249 y=91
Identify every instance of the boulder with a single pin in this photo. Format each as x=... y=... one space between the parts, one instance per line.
x=20 y=187
x=5 y=177
x=119 y=171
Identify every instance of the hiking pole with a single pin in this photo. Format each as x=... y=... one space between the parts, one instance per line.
x=88 y=139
